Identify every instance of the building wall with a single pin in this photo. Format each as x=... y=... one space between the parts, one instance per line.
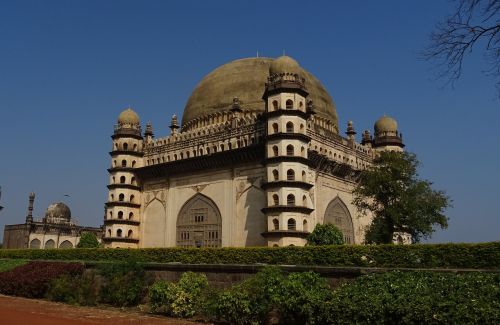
x=14 y=236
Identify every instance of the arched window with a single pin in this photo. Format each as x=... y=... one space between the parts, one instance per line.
x=289 y=127
x=112 y=197
x=131 y=215
x=301 y=104
x=135 y=147
x=291 y=224
x=132 y=180
x=133 y=163
x=120 y=214
x=304 y=226
x=290 y=199
x=109 y=232
x=50 y=244
x=304 y=200
x=337 y=213
x=122 y=179
x=125 y=146
x=275 y=151
x=275 y=127
x=275 y=175
x=303 y=151
x=175 y=156
x=132 y=197
x=199 y=223
x=121 y=197
x=35 y=244
x=290 y=175
x=289 y=104
x=119 y=233
x=201 y=152
x=66 y=244
x=276 y=199
x=276 y=224
x=289 y=150
x=114 y=163
x=124 y=163
x=275 y=104
x=110 y=214
x=304 y=176
x=222 y=147
x=208 y=150
x=215 y=148
x=130 y=233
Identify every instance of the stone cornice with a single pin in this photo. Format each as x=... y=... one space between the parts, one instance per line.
x=287 y=112
x=280 y=184
x=123 y=204
x=120 y=239
x=286 y=233
x=121 y=222
x=126 y=152
x=288 y=136
x=120 y=185
x=286 y=208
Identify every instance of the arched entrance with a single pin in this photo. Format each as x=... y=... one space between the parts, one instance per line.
x=66 y=244
x=337 y=213
x=199 y=223
x=35 y=244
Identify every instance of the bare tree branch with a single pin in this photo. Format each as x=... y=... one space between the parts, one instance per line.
x=474 y=24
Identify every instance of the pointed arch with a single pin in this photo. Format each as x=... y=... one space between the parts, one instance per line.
x=66 y=244
x=35 y=244
x=199 y=223
x=50 y=244
x=338 y=214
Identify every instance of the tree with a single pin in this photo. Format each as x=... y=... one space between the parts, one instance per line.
x=88 y=240
x=325 y=235
x=398 y=199
x=474 y=23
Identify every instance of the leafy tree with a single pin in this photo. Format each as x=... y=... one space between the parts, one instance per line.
x=88 y=240
x=474 y=24
x=398 y=199
x=325 y=235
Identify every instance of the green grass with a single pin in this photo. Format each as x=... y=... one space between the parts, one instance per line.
x=7 y=264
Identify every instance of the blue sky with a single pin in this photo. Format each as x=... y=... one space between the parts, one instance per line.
x=67 y=69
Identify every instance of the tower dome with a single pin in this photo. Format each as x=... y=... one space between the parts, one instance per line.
x=58 y=212
x=385 y=124
x=128 y=116
x=284 y=64
x=245 y=79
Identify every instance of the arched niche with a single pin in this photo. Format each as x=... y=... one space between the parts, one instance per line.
x=35 y=244
x=154 y=224
x=66 y=244
x=337 y=213
x=199 y=223
x=50 y=244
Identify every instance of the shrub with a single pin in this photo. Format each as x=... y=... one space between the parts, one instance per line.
x=123 y=283
x=484 y=255
x=76 y=290
x=88 y=240
x=182 y=299
x=32 y=280
x=325 y=235
x=302 y=298
x=417 y=298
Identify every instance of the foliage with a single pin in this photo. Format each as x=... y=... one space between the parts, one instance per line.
x=474 y=23
x=417 y=298
x=483 y=255
x=32 y=280
x=6 y=265
x=398 y=199
x=88 y=240
x=325 y=235
x=123 y=283
x=81 y=289
x=180 y=299
x=294 y=299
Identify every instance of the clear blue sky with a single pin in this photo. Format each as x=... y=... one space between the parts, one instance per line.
x=67 y=69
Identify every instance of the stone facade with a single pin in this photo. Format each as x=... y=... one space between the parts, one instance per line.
x=259 y=169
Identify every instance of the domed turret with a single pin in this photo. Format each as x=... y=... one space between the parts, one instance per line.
x=386 y=124
x=284 y=64
x=386 y=134
x=128 y=116
x=58 y=213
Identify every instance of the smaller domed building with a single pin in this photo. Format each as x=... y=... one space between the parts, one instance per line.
x=55 y=230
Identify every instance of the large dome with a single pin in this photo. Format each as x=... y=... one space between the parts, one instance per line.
x=58 y=212
x=246 y=80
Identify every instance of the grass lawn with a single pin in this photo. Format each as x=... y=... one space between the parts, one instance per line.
x=6 y=264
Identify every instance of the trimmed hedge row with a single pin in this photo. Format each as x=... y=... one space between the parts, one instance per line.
x=479 y=256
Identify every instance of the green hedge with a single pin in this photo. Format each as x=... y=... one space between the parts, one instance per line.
x=485 y=255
